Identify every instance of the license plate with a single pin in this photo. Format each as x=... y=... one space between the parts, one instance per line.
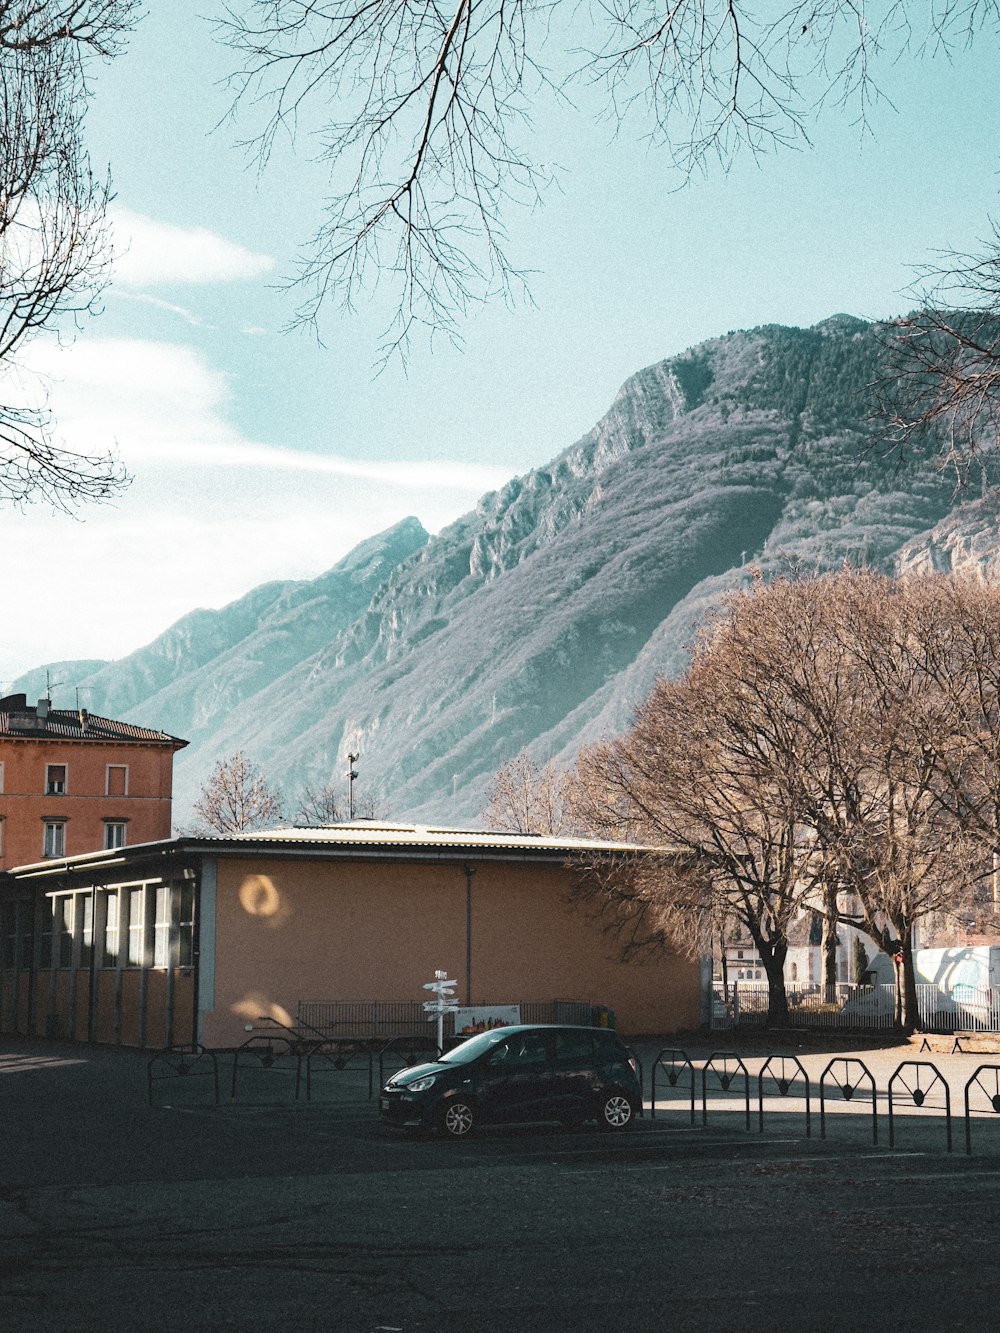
x=383 y=1103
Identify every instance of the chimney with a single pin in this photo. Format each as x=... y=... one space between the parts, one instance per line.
x=42 y=711
x=84 y=715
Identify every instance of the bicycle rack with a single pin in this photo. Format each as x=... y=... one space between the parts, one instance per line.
x=853 y=1074
x=675 y=1062
x=783 y=1084
x=917 y=1089
x=183 y=1062
x=732 y=1067
x=993 y=1098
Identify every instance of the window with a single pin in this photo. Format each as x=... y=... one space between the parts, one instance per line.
x=65 y=920
x=136 y=927
x=85 y=905
x=114 y=834
x=55 y=779
x=574 y=1045
x=111 y=931
x=16 y=934
x=161 y=927
x=116 y=780
x=185 y=924
x=1 y=777
x=54 y=838
x=1 y=829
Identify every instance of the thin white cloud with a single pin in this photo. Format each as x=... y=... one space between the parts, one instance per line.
x=143 y=298
x=149 y=253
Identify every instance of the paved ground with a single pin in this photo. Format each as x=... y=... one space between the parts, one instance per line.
x=271 y=1214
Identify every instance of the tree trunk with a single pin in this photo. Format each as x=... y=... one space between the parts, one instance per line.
x=777 y=998
x=907 y=1005
x=828 y=947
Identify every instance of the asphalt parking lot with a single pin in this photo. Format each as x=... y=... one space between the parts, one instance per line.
x=272 y=1214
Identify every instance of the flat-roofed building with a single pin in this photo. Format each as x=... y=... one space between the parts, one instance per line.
x=194 y=940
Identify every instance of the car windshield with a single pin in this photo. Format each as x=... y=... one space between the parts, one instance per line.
x=474 y=1047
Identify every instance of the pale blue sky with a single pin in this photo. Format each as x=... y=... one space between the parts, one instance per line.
x=259 y=454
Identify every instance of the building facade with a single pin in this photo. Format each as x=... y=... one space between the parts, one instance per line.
x=71 y=782
x=198 y=940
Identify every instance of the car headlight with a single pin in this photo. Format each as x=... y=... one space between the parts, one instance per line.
x=421 y=1084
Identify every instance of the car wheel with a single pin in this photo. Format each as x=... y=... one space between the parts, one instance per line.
x=615 y=1110
x=457 y=1118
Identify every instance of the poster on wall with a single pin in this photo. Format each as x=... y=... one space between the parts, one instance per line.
x=485 y=1017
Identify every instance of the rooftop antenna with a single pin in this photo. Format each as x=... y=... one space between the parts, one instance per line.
x=352 y=759
x=50 y=685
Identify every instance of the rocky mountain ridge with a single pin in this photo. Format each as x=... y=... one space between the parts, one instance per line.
x=540 y=618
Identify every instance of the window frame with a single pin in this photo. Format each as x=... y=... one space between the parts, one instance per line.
x=53 y=824
x=107 y=779
x=54 y=786
x=109 y=824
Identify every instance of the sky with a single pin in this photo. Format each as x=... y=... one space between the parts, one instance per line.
x=258 y=454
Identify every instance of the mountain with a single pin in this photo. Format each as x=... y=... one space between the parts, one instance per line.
x=543 y=616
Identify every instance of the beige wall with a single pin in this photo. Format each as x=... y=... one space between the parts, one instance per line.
x=326 y=931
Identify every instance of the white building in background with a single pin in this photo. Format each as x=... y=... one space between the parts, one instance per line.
x=804 y=962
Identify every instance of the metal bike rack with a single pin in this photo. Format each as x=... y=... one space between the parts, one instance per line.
x=726 y=1067
x=850 y=1075
x=990 y=1090
x=674 y=1063
x=784 y=1084
x=191 y=1062
x=919 y=1079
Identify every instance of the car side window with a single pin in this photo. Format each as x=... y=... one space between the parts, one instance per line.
x=608 y=1046
x=528 y=1049
x=574 y=1046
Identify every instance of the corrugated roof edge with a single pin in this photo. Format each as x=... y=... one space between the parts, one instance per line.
x=344 y=840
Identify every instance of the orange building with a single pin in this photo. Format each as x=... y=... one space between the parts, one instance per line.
x=71 y=782
x=201 y=940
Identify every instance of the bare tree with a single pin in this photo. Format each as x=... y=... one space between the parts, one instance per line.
x=54 y=253
x=326 y=805
x=422 y=111
x=526 y=798
x=237 y=798
x=940 y=378
x=832 y=748
x=702 y=777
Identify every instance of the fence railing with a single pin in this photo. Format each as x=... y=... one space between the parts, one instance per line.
x=406 y=1018
x=857 y=1007
x=915 y=1089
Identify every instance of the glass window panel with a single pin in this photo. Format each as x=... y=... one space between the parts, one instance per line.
x=86 y=910
x=161 y=927
x=114 y=834
x=185 y=924
x=64 y=919
x=136 y=927
x=111 y=932
x=54 y=841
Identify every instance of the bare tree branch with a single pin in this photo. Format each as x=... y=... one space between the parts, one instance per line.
x=421 y=112
x=54 y=253
x=237 y=798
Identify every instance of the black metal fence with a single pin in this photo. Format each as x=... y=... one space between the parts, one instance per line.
x=406 y=1018
x=914 y=1087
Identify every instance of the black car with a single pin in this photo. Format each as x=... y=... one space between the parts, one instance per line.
x=519 y=1073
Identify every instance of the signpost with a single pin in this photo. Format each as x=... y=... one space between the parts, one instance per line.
x=443 y=1003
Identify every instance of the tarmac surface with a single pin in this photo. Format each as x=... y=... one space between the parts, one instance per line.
x=272 y=1213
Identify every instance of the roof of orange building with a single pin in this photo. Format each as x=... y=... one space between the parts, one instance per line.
x=20 y=720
